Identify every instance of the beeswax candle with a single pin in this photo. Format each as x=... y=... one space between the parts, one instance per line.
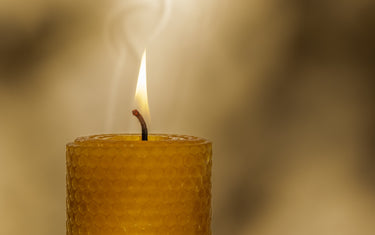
x=118 y=184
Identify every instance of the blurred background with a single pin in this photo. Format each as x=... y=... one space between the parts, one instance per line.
x=284 y=89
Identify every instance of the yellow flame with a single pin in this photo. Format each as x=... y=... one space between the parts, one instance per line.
x=141 y=99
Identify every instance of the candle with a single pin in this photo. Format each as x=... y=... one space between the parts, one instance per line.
x=139 y=184
x=118 y=184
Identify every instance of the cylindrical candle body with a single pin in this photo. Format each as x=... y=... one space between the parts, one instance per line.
x=117 y=184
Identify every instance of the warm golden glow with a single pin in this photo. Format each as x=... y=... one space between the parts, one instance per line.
x=141 y=99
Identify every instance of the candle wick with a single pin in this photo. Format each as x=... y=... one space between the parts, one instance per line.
x=143 y=124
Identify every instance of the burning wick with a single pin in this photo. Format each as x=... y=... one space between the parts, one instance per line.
x=143 y=124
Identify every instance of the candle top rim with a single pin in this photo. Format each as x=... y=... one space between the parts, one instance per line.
x=135 y=140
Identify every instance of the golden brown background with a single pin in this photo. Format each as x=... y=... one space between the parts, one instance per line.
x=284 y=89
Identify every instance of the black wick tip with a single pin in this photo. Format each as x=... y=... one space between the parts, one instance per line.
x=143 y=124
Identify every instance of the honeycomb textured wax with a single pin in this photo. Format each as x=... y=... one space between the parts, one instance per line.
x=118 y=184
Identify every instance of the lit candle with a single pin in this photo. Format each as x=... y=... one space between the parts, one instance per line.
x=119 y=184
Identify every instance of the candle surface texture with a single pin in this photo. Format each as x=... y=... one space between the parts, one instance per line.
x=118 y=184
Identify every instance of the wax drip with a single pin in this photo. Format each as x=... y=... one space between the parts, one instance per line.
x=143 y=124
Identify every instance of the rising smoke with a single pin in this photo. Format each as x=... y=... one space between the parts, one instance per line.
x=126 y=43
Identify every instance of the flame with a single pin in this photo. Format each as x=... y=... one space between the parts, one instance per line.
x=141 y=98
